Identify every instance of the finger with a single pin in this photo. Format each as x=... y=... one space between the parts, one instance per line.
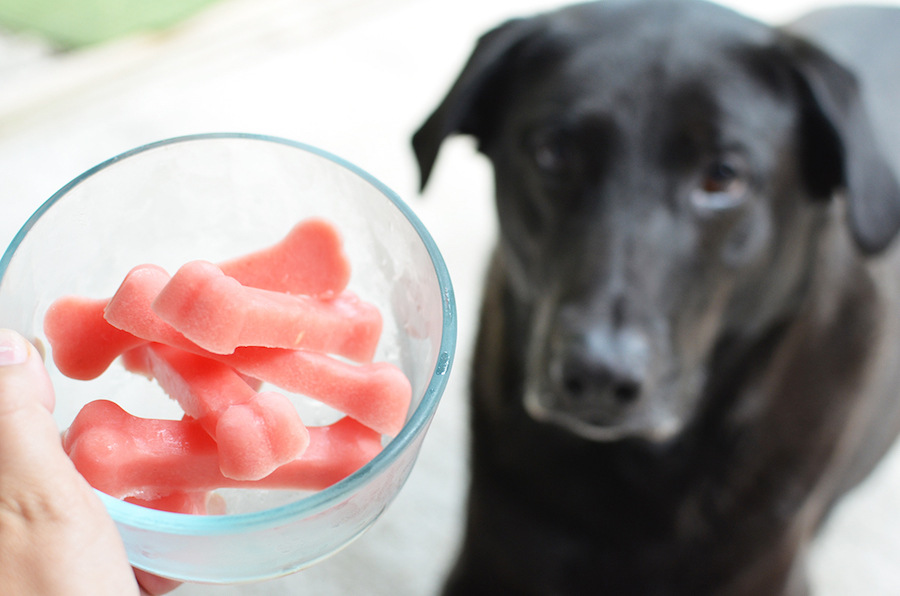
x=16 y=352
x=55 y=535
x=29 y=438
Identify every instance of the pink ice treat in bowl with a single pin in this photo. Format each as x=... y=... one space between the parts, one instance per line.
x=248 y=338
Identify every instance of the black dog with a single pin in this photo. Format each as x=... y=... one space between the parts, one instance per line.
x=689 y=339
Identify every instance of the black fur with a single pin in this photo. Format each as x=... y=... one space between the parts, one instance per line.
x=684 y=356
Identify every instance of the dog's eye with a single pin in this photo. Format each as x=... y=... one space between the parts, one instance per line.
x=719 y=178
x=548 y=150
x=722 y=186
x=549 y=156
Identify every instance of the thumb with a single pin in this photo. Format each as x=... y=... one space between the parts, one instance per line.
x=55 y=535
x=29 y=438
x=16 y=351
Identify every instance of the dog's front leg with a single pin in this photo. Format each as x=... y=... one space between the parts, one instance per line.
x=486 y=565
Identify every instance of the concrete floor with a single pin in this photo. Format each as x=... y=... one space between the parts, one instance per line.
x=355 y=77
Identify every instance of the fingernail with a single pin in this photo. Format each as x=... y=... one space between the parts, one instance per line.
x=13 y=348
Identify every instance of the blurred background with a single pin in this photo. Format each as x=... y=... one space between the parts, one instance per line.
x=84 y=80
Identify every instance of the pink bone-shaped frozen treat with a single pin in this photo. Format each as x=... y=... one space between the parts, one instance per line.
x=309 y=260
x=219 y=314
x=376 y=394
x=125 y=456
x=255 y=432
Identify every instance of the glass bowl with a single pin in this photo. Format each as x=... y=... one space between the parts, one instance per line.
x=213 y=197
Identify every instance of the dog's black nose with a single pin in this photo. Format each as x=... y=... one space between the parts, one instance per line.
x=583 y=377
x=602 y=372
x=582 y=382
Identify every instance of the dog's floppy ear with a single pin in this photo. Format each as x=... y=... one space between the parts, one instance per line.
x=467 y=108
x=839 y=148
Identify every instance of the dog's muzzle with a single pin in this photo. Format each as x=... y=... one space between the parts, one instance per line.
x=598 y=384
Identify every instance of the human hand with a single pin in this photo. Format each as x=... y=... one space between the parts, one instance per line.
x=55 y=535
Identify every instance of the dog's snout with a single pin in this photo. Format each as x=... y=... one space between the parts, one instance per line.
x=584 y=375
x=602 y=371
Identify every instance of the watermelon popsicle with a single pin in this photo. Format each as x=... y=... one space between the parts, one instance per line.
x=219 y=314
x=204 y=337
x=308 y=260
x=255 y=432
x=125 y=456
x=376 y=394
x=84 y=344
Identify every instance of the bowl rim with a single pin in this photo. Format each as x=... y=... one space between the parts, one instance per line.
x=143 y=518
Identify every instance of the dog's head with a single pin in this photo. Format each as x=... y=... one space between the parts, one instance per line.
x=663 y=171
